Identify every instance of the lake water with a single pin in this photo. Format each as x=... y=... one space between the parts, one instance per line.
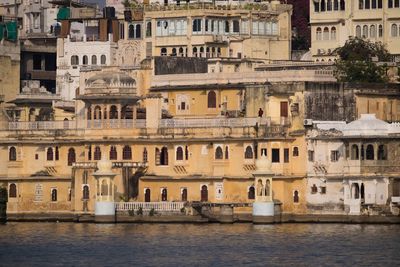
x=56 y=244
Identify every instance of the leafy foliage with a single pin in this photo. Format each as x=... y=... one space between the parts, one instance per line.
x=357 y=61
x=300 y=19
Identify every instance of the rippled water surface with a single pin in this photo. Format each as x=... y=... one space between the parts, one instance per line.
x=50 y=244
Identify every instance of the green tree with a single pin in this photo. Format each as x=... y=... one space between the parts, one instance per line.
x=358 y=61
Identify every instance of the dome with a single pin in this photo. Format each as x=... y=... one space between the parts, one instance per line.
x=368 y=124
x=263 y=165
x=111 y=79
x=104 y=168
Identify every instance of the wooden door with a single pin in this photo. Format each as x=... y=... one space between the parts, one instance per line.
x=147 y=195
x=284 y=109
x=204 y=193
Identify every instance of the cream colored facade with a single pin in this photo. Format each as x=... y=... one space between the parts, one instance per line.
x=334 y=21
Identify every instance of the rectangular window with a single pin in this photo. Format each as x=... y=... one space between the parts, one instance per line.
x=310 y=155
x=334 y=155
x=196 y=26
x=37 y=62
x=275 y=155
x=323 y=189
x=286 y=155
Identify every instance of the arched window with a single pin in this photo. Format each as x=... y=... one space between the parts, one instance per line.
x=296 y=196
x=316 y=6
x=113 y=113
x=103 y=60
x=84 y=60
x=367 y=4
x=226 y=152
x=180 y=51
x=354 y=152
x=382 y=152
x=94 y=60
x=164 y=194
x=252 y=193
x=370 y=152
x=131 y=31
x=390 y=3
x=319 y=33
x=342 y=5
x=394 y=30
x=201 y=51
x=85 y=193
x=333 y=33
x=113 y=153
x=163 y=51
x=53 y=194
x=12 y=154
x=295 y=151
x=361 y=4
x=323 y=6
x=138 y=31
x=218 y=153
x=365 y=31
x=97 y=113
x=148 y=29
x=179 y=153
x=97 y=153
x=372 y=31
x=164 y=156
x=184 y=194
x=126 y=153
x=358 y=31
x=329 y=5
x=227 y=30
x=173 y=52
x=373 y=4
x=74 y=60
x=236 y=27
x=211 y=100
x=194 y=51
x=57 y=154
x=204 y=193
x=248 y=154
x=335 y=4
x=71 y=156
x=326 y=34
x=379 y=3
x=145 y=155
x=380 y=31
x=12 y=192
x=50 y=155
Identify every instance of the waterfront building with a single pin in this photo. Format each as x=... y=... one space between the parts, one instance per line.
x=353 y=168
x=182 y=112
x=335 y=21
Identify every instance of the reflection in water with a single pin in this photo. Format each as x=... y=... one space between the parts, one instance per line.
x=45 y=244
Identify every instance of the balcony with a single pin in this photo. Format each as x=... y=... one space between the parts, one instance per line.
x=212 y=122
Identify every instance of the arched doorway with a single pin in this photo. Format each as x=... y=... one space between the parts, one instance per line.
x=184 y=194
x=164 y=195
x=204 y=193
x=362 y=191
x=147 y=195
x=355 y=190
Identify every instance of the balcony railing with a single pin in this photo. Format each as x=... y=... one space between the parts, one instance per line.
x=147 y=206
x=40 y=125
x=212 y=122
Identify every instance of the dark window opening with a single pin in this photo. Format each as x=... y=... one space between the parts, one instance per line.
x=275 y=155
